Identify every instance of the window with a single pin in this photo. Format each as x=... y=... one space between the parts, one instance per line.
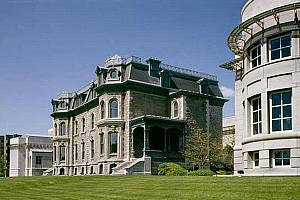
x=101 y=144
x=256 y=117
x=38 y=160
x=82 y=150
x=280 y=47
x=175 y=109
x=113 y=106
x=113 y=74
x=62 y=129
x=76 y=127
x=255 y=55
x=54 y=153
x=281 y=111
x=83 y=124
x=100 y=169
x=256 y=159
x=102 y=110
x=113 y=139
x=92 y=148
x=282 y=157
x=76 y=151
x=62 y=153
x=92 y=121
x=55 y=129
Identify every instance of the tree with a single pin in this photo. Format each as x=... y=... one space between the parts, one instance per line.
x=2 y=166
x=196 y=145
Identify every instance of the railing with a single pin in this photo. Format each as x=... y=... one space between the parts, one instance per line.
x=188 y=71
x=117 y=60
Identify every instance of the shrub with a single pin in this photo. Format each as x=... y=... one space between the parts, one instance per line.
x=221 y=172
x=171 y=169
x=201 y=172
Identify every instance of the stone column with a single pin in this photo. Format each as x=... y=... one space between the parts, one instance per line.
x=106 y=145
x=146 y=139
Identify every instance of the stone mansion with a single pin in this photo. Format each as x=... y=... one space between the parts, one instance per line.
x=132 y=117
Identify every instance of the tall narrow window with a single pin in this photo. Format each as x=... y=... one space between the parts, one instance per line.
x=83 y=124
x=281 y=111
x=255 y=56
x=256 y=159
x=282 y=157
x=62 y=153
x=54 y=153
x=113 y=108
x=82 y=150
x=113 y=140
x=256 y=116
x=101 y=144
x=62 y=129
x=102 y=110
x=92 y=121
x=55 y=129
x=76 y=151
x=76 y=127
x=92 y=148
x=280 y=47
x=175 y=109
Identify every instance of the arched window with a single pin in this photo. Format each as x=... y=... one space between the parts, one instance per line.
x=175 y=109
x=55 y=129
x=62 y=153
x=92 y=121
x=113 y=108
x=83 y=124
x=102 y=110
x=113 y=74
x=62 y=129
x=113 y=142
x=92 y=148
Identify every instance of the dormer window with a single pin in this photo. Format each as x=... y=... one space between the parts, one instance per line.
x=113 y=74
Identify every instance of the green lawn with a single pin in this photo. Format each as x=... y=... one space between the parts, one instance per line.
x=150 y=187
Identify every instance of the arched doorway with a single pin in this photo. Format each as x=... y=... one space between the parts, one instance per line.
x=138 y=142
x=61 y=171
x=101 y=169
x=156 y=138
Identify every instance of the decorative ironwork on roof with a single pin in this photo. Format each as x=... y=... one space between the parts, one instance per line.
x=236 y=39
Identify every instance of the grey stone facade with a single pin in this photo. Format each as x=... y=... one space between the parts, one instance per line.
x=132 y=117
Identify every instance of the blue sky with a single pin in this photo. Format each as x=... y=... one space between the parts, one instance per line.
x=48 y=46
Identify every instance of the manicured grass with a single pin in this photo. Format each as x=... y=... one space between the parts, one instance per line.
x=150 y=187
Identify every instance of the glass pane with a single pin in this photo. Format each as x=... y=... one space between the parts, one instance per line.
x=287 y=111
x=285 y=41
x=286 y=161
x=276 y=125
x=276 y=99
x=259 y=60
x=254 y=53
x=255 y=117
x=260 y=128
x=278 y=162
x=256 y=163
x=255 y=104
x=255 y=129
x=286 y=52
x=275 y=54
x=259 y=117
x=258 y=51
x=254 y=63
x=275 y=44
x=286 y=154
x=287 y=97
x=276 y=112
x=287 y=124
x=256 y=156
x=278 y=154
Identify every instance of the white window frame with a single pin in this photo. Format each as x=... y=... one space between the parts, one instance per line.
x=255 y=58
x=281 y=108
x=273 y=158
x=280 y=48
x=260 y=121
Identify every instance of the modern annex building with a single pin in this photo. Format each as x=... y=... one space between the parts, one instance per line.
x=267 y=66
x=132 y=117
